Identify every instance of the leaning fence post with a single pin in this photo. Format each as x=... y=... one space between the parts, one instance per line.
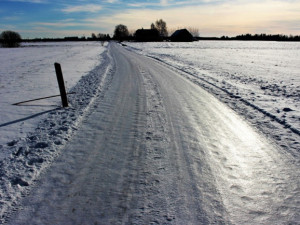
x=61 y=84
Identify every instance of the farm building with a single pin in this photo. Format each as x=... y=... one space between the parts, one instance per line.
x=147 y=35
x=182 y=35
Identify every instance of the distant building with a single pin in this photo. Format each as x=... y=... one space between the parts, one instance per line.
x=147 y=35
x=182 y=35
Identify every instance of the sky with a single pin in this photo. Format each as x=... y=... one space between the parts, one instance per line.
x=61 y=18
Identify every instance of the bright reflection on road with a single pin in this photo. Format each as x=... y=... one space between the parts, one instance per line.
x=256 y=180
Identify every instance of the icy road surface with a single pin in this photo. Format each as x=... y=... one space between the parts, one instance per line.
x=158 y=149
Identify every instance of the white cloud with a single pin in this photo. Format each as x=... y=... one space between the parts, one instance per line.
x=7 y=27
x=112 y=1
x=82 y=8
x=60 y=24
x=164 y=2
x=67 y=23
x=176 y=3
x=11 y=18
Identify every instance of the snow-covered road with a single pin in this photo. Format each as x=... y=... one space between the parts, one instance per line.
x=158 y=149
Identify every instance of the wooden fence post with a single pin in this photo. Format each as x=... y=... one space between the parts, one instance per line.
x=61 y=84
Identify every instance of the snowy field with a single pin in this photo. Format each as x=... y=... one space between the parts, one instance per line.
x=28 y=73
x=32 y=134
x=265 y=76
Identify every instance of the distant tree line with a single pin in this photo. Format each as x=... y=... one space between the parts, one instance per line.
x=267 y=37
x=99 y=37
x=255 y=37
x=121 y=33
x=93 y=37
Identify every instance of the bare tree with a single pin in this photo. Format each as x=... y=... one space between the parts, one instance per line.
x=161 y=26
x=194 y=31
x=10 y=39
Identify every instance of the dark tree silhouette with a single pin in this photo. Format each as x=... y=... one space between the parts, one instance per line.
x=161 y=26
x=104 y=37
x=10 y=39
x=93 y=36
x=121 y=32
x=267 y=37
x=152 y=27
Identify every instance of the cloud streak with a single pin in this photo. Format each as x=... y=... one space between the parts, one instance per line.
x=112 y=1
x=30 y=1
x=92 y=8
x=60 y=24
x=164 y=2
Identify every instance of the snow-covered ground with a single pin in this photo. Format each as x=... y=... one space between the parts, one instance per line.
x=261 y=80
x=154 y=148
x=28 y=73
x=32 y=134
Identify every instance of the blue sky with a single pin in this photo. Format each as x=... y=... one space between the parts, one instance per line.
x=59 y=18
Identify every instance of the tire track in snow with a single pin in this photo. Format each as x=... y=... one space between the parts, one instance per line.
x=174 y=141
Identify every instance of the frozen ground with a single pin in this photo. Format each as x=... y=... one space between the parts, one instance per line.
x=155 y=148
x=33 y=134
x=261 y=80
x=28 y=73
